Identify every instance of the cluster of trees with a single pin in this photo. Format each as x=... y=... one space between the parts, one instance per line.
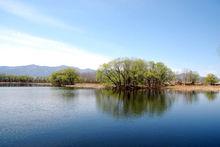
x=64 y=77
x=188 y=77
x=130 y=73
x=22 y=79
x=211 y=79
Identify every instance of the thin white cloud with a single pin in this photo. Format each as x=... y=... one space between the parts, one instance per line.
x=30 y=13
x=19 y=48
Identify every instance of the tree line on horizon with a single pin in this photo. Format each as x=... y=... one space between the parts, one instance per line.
x=189 y=77
x=126 y=73
x=22 y=79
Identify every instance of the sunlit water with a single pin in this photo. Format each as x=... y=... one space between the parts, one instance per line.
x=44 y=116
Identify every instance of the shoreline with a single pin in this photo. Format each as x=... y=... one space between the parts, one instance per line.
x=87 y=86
x=184 y=88
x=190 y=88
x=24 y=83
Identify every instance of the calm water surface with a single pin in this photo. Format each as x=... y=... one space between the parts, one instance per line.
x=44 y=116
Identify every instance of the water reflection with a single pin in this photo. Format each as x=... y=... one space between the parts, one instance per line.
x=211 y=96
x=190 y=97
x=30 y=114
x=134 y=103
x=66 y=94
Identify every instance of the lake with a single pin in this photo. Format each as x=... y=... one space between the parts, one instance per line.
x=46 y=116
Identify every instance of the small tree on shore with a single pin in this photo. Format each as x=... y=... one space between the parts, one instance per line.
x=64 y=77
x=211 y=79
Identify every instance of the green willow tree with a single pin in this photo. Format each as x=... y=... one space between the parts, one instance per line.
x=131 y=73
x=64 y=77
x=211 y=79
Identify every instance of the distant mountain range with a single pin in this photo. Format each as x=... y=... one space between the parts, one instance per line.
x=40 y=71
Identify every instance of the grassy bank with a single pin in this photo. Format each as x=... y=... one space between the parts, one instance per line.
x=102 y=86
x=88 y=85
x=204 y=88
x=176 y=87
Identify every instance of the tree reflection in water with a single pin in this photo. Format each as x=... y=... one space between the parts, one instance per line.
x=67 y=94
x=134 y=103
x=211 y=95
x=190 y=97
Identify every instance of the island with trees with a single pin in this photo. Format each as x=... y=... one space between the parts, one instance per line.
x=128 y=73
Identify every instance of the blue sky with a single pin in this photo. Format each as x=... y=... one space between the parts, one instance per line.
x=86 y=33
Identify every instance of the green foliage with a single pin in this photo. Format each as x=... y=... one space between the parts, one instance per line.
x=129 y=73
x=64 y=77
x=211 y=79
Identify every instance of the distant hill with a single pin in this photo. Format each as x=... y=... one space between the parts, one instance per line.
x=42 y=71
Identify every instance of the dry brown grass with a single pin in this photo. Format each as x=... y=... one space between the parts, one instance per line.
x=88 y=85
x=176 y=87
x=194 y=88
